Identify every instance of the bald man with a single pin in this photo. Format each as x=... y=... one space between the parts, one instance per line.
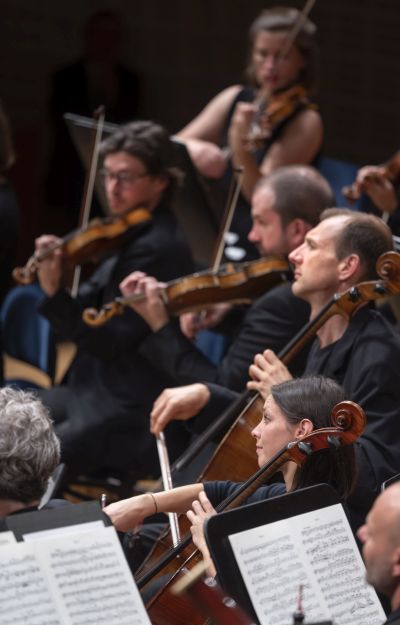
x=380 y=536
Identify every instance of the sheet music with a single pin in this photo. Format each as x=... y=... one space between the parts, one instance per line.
x=78 y=528
x=316 y=549
x=69 y=580
x=7 y=538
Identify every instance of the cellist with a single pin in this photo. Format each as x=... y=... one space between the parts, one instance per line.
x=362 y=353
x=292 y=410
x=110 y=388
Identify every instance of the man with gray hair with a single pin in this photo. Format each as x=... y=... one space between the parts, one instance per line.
x=29 y=450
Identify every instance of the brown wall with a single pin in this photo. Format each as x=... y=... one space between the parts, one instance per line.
x=187 y=50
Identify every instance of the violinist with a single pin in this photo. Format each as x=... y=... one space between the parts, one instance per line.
x=292 y=409
x=362 y=353
x=100 y=412
x=285 y=205
x=381 y=184
x=228 y=119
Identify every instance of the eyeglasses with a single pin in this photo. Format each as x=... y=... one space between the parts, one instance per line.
x=124 y=178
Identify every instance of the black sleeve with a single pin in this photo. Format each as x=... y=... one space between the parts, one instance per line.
x=271 y=322
x=218 y=491
x=148 y=251
x=170 y=351
x=221 y=399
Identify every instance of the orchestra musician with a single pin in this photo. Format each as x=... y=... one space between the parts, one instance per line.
x=362 y=353
x=229 y=117
x=380 y=536
x=382 y=189
x=285 y=205
x=29 y=451
x=100 y=412
x=292 y=410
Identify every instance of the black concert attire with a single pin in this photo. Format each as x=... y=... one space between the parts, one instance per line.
x=365 y=362
x=102 y=412
x=220 y=490
x=270 y=322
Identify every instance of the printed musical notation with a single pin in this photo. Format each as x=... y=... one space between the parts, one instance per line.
x=317 y=550
x=80 y=579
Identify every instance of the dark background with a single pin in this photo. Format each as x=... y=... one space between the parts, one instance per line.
x=185 y=51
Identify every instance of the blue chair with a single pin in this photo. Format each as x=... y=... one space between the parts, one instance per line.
x=339 y=174
x=213 y=345
x=26 y=339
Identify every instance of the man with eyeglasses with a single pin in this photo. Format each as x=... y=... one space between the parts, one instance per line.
x=101 y=411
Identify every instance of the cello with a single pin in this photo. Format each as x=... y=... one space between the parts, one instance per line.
x=244 y=412
x=224 y=463
x=348 y=421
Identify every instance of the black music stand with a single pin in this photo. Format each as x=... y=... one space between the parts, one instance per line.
x=192 y=206
x=66 y=515
x=218 y=528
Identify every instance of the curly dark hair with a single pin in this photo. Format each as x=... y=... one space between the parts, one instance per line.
x=151 y=144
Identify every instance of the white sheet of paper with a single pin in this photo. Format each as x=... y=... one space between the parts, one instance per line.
x=7 y=538
x=69 y=580
x=317 y=550
x=79 y=528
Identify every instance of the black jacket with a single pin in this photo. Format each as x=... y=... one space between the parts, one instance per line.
x=111 y=388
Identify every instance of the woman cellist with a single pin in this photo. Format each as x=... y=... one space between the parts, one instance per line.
x=288 y=135
x=292 y=410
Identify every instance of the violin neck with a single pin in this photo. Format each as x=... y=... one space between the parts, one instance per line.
x=135 y=297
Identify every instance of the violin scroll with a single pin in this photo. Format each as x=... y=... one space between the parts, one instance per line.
x=96 y=318
x=25 y=275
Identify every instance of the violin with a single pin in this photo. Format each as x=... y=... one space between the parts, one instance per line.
x=389 y=170
x=273 y=110
x=80 y=246
x=236 y=283
x=348 y=422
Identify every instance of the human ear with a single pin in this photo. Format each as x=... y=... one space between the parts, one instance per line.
x=304 y=428
x=348 y=267
x=396 y=563
x=295 y=232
